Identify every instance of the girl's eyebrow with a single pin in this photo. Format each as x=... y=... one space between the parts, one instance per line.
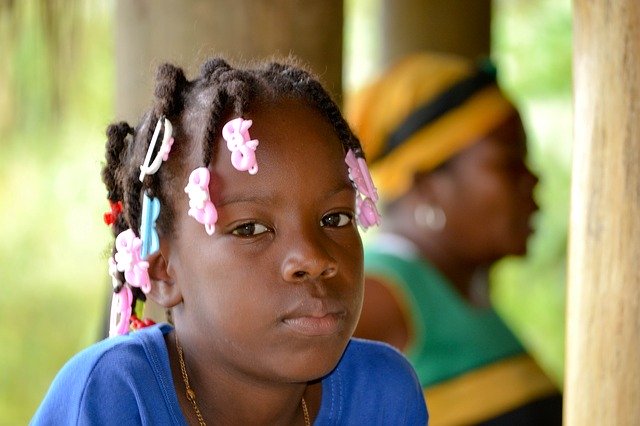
x=271 y=199
x=340 y=188
x=247 y=198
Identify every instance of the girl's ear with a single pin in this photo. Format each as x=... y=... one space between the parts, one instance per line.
x=164 y=291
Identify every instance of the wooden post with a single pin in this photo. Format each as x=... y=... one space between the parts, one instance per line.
x=456 y=26
x=603 y=318
x=187 y=32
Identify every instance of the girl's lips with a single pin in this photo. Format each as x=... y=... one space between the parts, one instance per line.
x=324 y=325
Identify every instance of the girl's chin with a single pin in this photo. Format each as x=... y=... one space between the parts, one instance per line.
x=315 y=363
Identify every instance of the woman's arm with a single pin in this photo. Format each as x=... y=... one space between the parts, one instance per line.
x=382 y=318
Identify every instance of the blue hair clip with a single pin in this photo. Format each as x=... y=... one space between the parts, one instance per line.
x=148 y=233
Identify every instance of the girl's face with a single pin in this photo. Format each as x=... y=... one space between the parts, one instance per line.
x=276 y=291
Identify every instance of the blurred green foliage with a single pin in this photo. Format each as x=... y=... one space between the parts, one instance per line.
x=56 y=81
x=532 y=47
x=56 y=98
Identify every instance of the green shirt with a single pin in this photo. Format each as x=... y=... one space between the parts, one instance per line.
x=448 y=335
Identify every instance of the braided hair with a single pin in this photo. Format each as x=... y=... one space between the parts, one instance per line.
x=196 y=108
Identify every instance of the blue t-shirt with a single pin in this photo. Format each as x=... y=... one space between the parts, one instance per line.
x=127 y=380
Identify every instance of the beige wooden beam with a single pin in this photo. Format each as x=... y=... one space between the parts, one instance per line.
x=603 y=318
x=187 y=32
x=456 y=26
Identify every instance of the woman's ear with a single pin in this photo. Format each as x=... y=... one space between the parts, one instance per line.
x=425 y=187
x=435 y=186
x=164 y=290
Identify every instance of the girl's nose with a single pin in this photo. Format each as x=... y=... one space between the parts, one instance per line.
x=307 y=260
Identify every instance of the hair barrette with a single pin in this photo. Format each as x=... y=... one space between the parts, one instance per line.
x=128 y=260
x=163 y=152
x=111 y=216
x=200 y=206
x=366 y=192
x=242 y=147
x=113 y=273
x=148 y=232
x=120 y=312
x=120 y=303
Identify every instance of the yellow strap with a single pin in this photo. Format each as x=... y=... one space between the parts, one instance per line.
x=487 y=392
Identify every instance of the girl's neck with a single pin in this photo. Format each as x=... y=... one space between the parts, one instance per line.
x=227 y=397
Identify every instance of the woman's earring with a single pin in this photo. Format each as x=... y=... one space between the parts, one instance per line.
x=430 y=217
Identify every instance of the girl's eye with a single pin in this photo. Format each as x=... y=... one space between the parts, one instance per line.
x=337 y=220
x=249 y=229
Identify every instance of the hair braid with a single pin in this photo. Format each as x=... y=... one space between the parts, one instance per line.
x=114 y=172
x=211 y=69
x=231 y=85
x=116 y=140
x=216 y=111
x=333 y=114
x=170 y=83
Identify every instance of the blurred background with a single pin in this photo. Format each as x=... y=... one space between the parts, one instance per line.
x=58 y=94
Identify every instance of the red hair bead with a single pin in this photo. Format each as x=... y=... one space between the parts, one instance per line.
x=111 y=216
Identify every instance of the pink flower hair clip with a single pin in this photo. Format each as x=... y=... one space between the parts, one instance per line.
x=128 y=259
x=163 y=152
x=366 y=193
x=120 y=312
x=242 y=147
x=200 y=206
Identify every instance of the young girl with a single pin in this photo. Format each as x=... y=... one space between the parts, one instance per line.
x=234 y=206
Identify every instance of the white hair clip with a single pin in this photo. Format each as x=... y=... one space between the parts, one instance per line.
x=163 y=152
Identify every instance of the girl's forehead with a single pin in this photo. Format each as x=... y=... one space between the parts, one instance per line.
x=297 y=150
x=293 y=129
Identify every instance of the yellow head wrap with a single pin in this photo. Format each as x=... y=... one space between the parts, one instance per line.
x=376 y=112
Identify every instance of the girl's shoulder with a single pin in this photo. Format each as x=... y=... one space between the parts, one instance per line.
x=363 y=357
x=121 y=353
x=373 y=382
x=107 y=381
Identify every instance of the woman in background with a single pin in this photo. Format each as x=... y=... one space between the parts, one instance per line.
x=447 y=150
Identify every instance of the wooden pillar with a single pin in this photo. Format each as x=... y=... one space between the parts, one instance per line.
x=603 y=318
x=456 y=26
x=187 y=32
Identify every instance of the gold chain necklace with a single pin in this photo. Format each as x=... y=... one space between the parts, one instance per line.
x=191 y=395
x=306 y=413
